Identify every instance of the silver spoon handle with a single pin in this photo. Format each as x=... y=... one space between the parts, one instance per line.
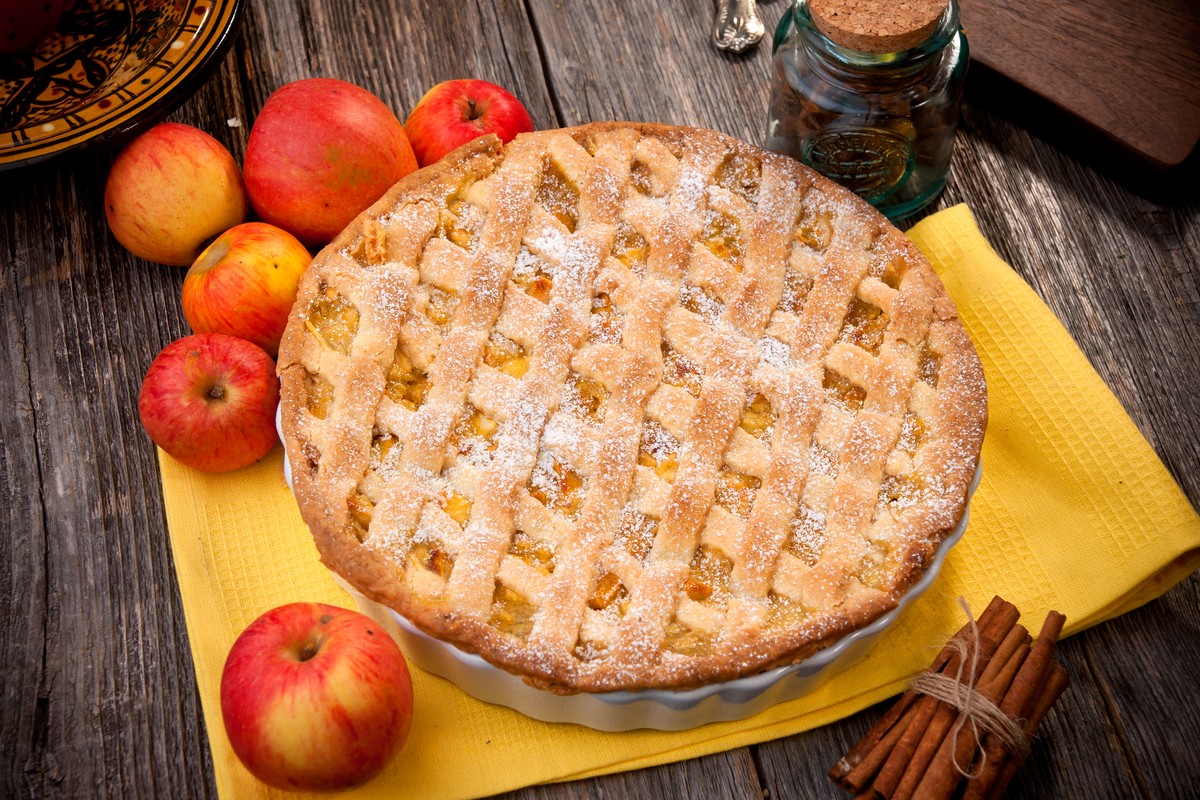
x=737 y=26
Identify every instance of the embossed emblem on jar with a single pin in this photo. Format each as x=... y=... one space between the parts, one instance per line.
x=871 y=162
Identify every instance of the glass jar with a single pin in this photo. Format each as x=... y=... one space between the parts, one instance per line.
x=881 y=124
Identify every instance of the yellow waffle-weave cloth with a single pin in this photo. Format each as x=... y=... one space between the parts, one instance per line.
x=1075 y=512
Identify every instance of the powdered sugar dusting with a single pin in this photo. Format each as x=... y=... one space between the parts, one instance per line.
x=773 y=353
x=524 y=446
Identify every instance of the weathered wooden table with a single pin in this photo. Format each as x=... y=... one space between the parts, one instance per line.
x=98 y=691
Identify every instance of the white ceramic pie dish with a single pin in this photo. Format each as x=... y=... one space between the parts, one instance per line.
x=660 y=709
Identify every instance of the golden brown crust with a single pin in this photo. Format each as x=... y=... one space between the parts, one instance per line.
x=627 y=406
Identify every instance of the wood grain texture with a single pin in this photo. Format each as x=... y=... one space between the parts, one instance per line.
x=1130 y=72
x=99 y=695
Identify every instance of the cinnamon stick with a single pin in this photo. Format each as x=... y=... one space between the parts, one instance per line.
x=943 y=775
x=899 y=776
x=856 y=769
x=911 y=752
x=997 y=770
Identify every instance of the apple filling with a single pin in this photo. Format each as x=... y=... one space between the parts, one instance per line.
x=558 y=195
x=643 y=178
x=318 y=394
x=758 y=418
x=608 y=590
x=532 y=274
x=740 y=175
x=679 y=370
x=604 y=323
x=457 y=507
x=629 y=247
x=722 y=238
x=534 y=552
x=815 y=230
x=806 y=535
x=913 y=433
x=440 y=306
x=332 y=319
x=735 y=491
x=381 y=445
x=556 y=486
x=687 y=641
x=878 y=567
x=636 y=533
x=784 y=613
x=584 y=398
x=591 y=650
x=842 y=393
x=702 y=301
x=312 y=457
x=475 y=432
x=901 y=491
x=451 y=228
x=889 y=269
x=511 y=612
x=865 y=326
x=361 y=508
x=506 y=355
x=928 y=365
x=708 y=577
x=431 y=556
x=404 y=383
x=796 y=286
x=659 y=450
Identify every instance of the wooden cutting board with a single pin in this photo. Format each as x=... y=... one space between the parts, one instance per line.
x=1129 y=72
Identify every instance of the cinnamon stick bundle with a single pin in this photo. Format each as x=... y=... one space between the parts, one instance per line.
x=962 y=728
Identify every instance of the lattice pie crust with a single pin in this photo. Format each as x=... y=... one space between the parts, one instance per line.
x=626 y=406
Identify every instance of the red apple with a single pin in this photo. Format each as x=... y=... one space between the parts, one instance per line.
x=170 y=192
x=320 y=152
x=244 y=284
x=24 y=23
x=209 y=400
x=455 y=112
x=315 y=698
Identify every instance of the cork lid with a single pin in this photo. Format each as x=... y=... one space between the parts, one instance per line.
x=877 y=26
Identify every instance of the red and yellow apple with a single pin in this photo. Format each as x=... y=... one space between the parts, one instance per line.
x=209 y=401
x=244 y=284
x=321 y=151
x=170 y=192
x=456 y=112
x=24 y=23
x=315 y=697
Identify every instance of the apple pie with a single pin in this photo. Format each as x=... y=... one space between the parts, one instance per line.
x=626 y=406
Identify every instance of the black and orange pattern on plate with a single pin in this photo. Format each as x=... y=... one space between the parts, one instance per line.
x=111 y=68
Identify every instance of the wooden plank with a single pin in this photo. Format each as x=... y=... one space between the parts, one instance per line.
x=1147 y=667
x=1131 y=73
x=23 y=585
x=652 y=62
x=729 y=776
x=396 y=50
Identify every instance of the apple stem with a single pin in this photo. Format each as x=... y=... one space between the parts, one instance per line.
x=473 y=111
x=308 y=651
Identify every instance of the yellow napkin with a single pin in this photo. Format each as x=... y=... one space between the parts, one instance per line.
x=1075 y=512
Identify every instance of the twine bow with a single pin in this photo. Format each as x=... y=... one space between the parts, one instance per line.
x=973 y=706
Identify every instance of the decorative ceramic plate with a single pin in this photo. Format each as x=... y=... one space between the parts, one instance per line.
x=111 y=68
